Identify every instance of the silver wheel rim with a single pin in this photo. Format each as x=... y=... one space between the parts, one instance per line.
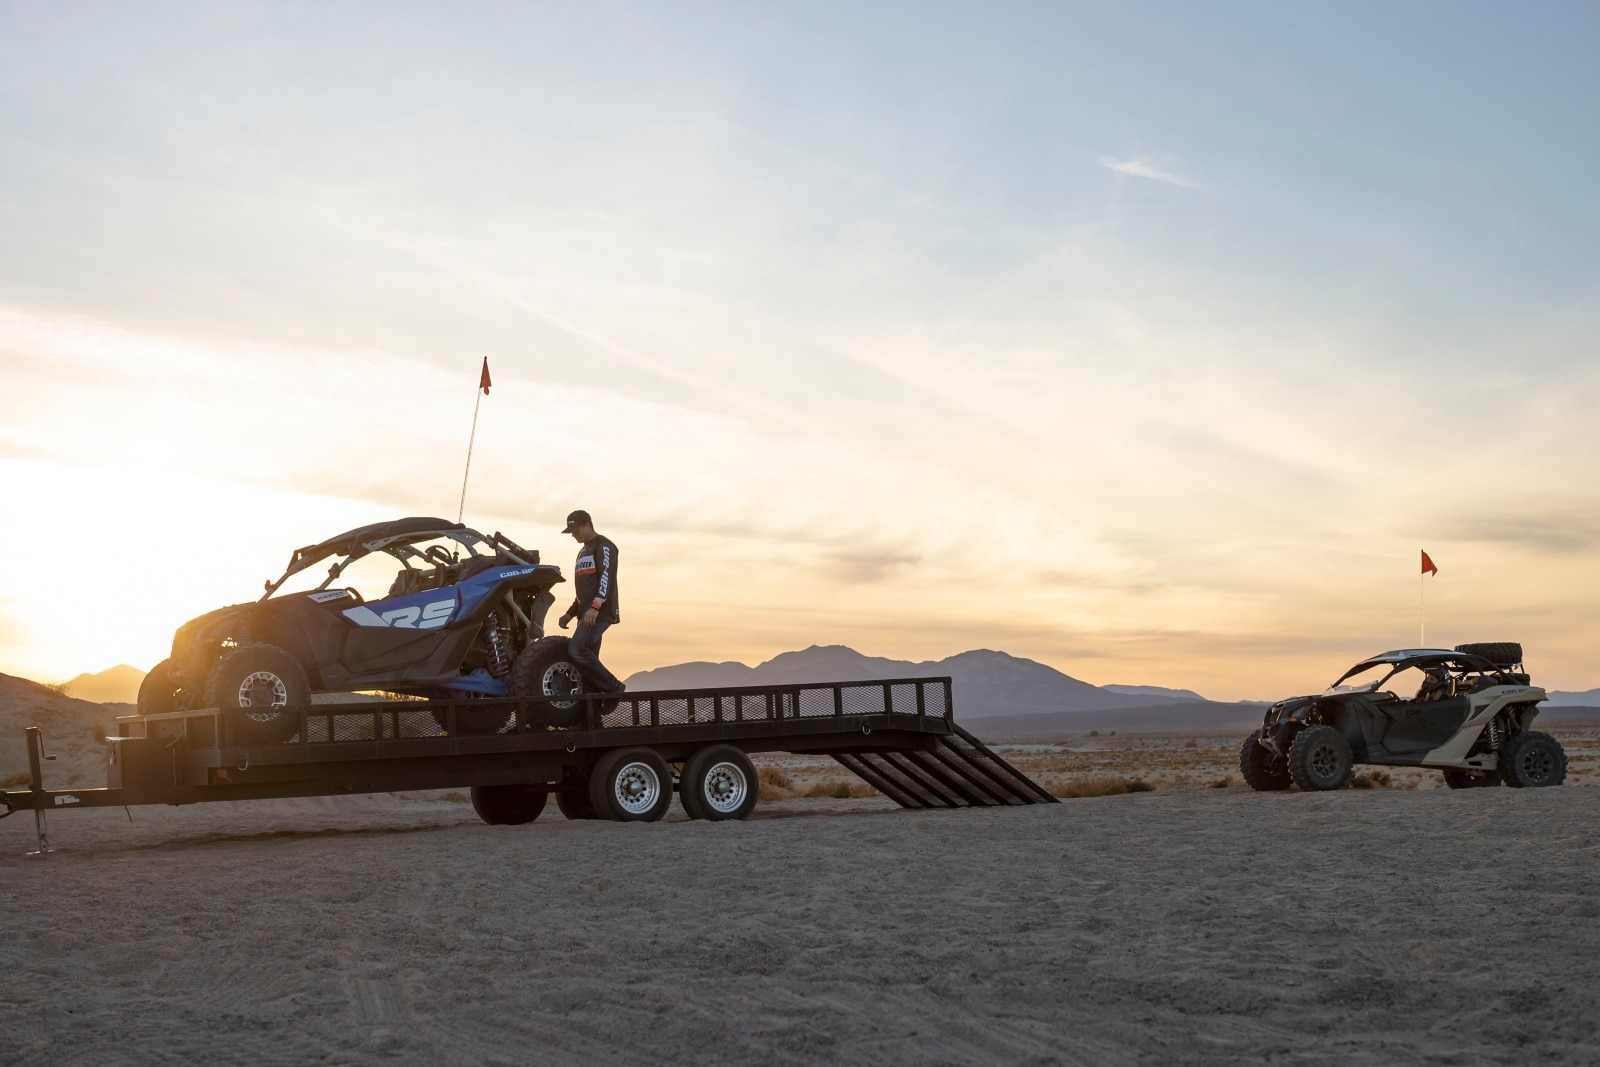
x=263 y=689
x=637 y=787
x=559 y=680
x=725 y=788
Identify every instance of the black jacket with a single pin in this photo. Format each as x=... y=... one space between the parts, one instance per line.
x=595 y=577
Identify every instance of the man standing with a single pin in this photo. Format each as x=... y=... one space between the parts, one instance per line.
x=595 y=605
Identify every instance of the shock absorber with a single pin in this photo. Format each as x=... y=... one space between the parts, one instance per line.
x=1494 y=734
x=499 y=659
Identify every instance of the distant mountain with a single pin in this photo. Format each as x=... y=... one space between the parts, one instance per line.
x=984 y=682
x=118 y=685
x=1589 y=698
x=1154 y=693
x=1174 y=716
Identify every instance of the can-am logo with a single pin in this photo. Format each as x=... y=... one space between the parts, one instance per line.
x=415 y=617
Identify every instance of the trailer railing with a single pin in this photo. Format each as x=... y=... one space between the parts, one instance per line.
x=919 y=699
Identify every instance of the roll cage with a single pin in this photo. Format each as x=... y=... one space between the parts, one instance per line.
x=398 y=539
x=1467 y=672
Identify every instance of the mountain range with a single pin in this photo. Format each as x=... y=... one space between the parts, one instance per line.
x=987 y=684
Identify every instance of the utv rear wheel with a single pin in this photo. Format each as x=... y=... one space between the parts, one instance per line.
x=1457 y=779
x=160 y=692
x=264 y=682
x=1262 y=769
x=1319 y=759
x=509 y=805
x=1531 y=760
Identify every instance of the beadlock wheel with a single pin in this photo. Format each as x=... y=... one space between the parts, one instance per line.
x=263 y=689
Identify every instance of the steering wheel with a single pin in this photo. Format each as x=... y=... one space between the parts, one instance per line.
x=439 y=555
x=355 y=594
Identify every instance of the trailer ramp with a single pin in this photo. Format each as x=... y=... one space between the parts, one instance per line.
x=958 y=771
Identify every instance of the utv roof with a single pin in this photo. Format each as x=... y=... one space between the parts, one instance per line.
x=369 y=537
x=1419 y=657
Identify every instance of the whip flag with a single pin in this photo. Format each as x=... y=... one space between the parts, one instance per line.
x=481 y=392
x=1428 y=567
x=1427 y=563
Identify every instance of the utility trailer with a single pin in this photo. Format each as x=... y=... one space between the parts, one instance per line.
x=623 y=761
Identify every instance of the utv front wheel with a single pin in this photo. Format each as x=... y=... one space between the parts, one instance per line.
x=160 y=692
x=1262 y=769
x=1531 y=760
x=265 y=683
x=1319 y=759
x=545 y=670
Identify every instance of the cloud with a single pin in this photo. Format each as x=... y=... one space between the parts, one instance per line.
x=1140 y=169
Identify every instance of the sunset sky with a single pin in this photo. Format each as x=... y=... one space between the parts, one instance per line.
x=1151 y=341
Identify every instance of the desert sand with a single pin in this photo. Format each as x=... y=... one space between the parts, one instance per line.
x=1199 y=926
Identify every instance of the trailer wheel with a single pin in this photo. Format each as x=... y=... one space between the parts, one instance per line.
x=509 y=805
x=631 y=785
x=719 y=782
x=262 y=681
x=573 y=802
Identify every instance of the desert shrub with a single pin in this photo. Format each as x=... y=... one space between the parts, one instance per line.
x=1101 y=787
x=456 y=797
x=840 y=790
x=58 y=688
x=1191 y=743
x=1371 y=780
x=1094 y=733
x=1222 y=783
x=774 y=783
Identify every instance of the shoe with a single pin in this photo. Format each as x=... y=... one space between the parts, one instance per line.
x=622 y=687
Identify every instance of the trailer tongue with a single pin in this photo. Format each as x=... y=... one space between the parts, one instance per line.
x=624 y=762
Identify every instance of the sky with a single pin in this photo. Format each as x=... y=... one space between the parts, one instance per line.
x=1152 y=341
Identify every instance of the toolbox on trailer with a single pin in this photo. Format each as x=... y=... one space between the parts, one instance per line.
x=628 y=758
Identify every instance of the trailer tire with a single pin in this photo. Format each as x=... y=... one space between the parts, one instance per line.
x=631 y=785
x=256 y=679
x=509 y=805
x=573 y=803
x=719 y=782
x=498 y=718
x=1319 y=759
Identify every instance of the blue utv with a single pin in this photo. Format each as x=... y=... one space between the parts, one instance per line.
x=463 y=615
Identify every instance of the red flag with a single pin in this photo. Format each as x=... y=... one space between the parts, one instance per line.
x=1427 y=564
x=483 y=379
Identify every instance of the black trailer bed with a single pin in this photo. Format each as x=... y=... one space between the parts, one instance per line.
x=899 y=735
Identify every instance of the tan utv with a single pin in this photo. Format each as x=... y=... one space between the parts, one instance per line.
x=1466 y=711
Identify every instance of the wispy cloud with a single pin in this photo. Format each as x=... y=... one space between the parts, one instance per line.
x=1140 y=169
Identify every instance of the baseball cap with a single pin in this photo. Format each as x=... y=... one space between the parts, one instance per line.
x=576 y=519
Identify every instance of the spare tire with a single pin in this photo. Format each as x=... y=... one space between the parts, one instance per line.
x=1500 y=653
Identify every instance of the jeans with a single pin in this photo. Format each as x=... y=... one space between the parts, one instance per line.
x=583 y=647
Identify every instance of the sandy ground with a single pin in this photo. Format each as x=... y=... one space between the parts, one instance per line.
x=1198 y=926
